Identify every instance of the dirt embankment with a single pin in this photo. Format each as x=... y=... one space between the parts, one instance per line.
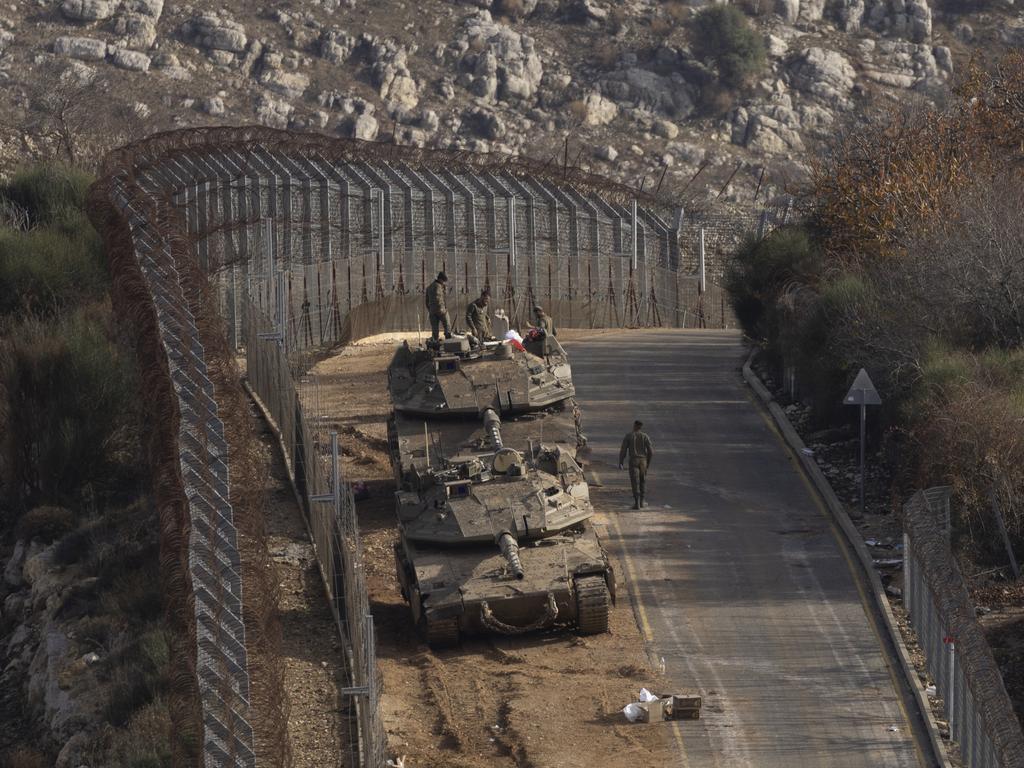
x=547 y=699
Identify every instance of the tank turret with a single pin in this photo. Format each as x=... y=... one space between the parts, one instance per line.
x=459 y=378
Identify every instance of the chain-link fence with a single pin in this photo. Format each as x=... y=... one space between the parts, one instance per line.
x=981 y=716
x=311 y=453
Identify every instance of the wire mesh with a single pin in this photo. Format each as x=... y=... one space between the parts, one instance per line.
x=967 y=679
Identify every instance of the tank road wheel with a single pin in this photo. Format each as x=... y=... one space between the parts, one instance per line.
x=441 y=633
x=592 y=605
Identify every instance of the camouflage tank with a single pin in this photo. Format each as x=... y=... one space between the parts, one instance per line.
x=494 y=521
x=461 y=378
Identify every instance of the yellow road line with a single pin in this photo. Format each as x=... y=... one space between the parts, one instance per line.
x=855 y=571
x=645 y=625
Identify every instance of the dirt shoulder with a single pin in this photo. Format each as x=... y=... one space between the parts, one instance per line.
x=547 y=699
x=311 y=651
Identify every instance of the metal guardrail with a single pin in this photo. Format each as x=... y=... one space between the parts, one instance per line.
x=213 y=560
x=981 y=717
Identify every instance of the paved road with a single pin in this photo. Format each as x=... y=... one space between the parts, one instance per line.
x=739 y=580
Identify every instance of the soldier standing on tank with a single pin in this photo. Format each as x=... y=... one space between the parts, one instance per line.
x=477 y=320
x=436 y=308
x=544 y=321
x=636 y=446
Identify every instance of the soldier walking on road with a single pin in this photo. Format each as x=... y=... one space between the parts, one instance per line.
x=477 y=320
x=636 y=446
x=436 y=307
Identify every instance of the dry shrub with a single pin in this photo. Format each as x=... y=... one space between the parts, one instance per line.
x=605 y=53
x=577 y=110
x=971 y=437
x=46 y=523
x=25 y=757
x=661 y=28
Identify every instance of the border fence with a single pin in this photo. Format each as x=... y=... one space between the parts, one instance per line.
x=288 y=244
x=980 y=713
x=311 y=454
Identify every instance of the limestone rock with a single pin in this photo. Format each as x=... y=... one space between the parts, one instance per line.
x=666 y=129
x=85 y=48
x=169 y=65
x=644 y=89
x=214 y=106
x=212 y=32
x=133 y=60
x=484 y=124
x=136 y=30
x=291 y=85
x=598 y=110
x=364 y=127
x=607 y=152
x=391 y=74
x=824 y=74
x=12 y=571
x=336 y=46
x=274 y=113
x=89 y=10
x=506 y=66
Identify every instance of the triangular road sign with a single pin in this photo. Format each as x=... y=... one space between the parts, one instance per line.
x=862 y=392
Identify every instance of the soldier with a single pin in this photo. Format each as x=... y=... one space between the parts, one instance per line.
x=544 y=321
x=436 y=306
x=637 y=446
x=477 y=320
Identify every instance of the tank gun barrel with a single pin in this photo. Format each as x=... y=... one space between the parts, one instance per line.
x=510 y=549
x=493 y=426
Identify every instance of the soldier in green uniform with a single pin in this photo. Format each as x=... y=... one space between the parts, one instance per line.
x=436 y=307
x=636 y=446
x=478 y=322
x=544 y=321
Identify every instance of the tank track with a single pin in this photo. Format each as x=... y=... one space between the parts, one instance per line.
x=593 y=602
x=441 y=633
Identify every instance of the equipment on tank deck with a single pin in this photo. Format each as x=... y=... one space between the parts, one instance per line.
x=456 y=377
x=494 y=526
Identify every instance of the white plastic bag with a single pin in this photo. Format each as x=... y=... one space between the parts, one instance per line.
x=646 y=696
x=632 y=712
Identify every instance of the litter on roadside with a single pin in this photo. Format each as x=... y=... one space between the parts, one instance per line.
x=653 y=707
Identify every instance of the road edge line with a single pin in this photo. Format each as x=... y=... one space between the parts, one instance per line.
x=855 y=542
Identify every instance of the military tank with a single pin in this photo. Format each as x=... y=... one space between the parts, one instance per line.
x=463 y=378
x=493 y=510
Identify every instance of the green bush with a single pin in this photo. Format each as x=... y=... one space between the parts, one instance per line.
x=721 y=36
x=44 y=271
x=762 y=269
x=67 y=395
x=137 y=675
x=48 y=193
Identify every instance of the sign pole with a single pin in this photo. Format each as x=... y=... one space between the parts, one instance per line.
x=863 y=435
x=863 y=393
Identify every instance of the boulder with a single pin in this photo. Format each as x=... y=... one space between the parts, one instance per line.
x=336 y=46
x=666 y=129
x=291 y=85
x=484 y=124
x=607 y=152
x=212 y=32
x=823 y=74
x=597 y=110
x=85 y=48
x=501 y=63
x=364 y=127
x=89 y=10
x=12 y=571
x=642 y=88
x=272 y=112
x=133 y=60
x=136 y=31
x=391 y=75
x=214 y=106
x=849 y=14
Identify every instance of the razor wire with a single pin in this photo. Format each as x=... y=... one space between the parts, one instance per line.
x=967 y=679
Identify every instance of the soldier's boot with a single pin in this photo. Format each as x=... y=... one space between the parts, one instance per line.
x=642 y=502
x=636 y=503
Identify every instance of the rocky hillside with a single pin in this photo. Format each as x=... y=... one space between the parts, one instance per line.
x=613 y=86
